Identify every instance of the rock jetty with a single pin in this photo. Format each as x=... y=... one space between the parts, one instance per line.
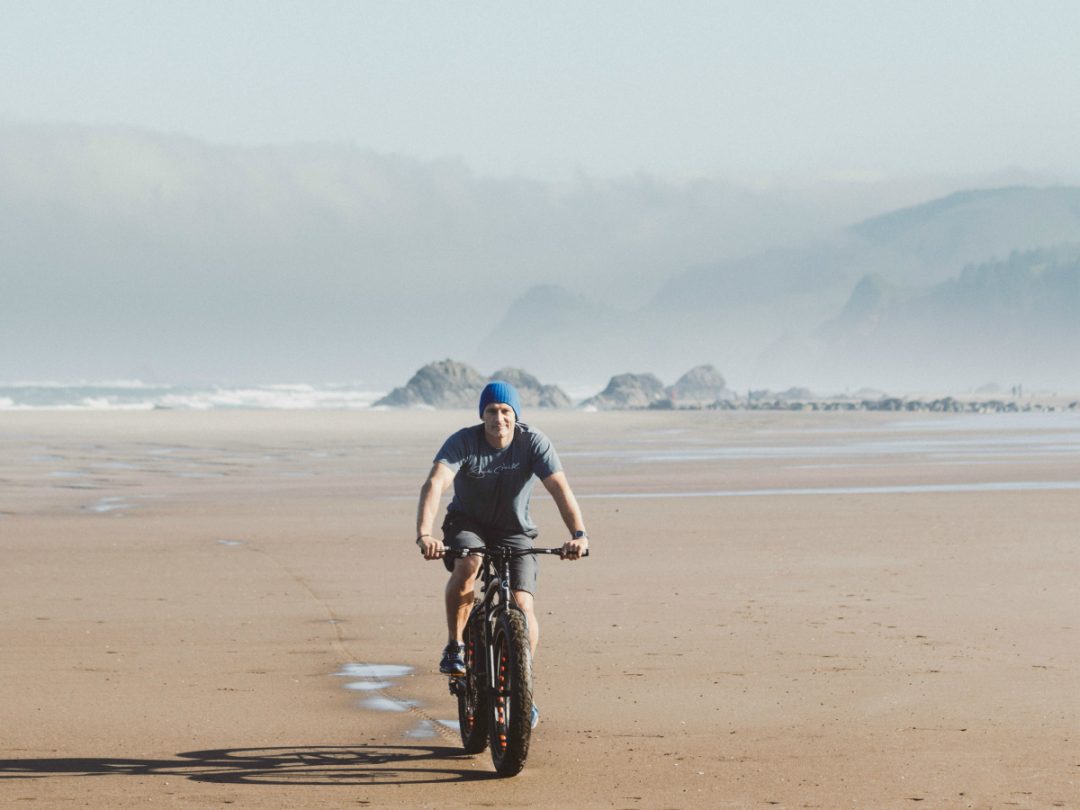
x=763 y=401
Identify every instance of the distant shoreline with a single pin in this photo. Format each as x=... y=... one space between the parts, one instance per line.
x=131 y=396
x=948 y=404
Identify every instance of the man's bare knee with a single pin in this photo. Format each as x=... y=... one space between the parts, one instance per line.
x=524 y=601
x=463 y=576
x=527 y=604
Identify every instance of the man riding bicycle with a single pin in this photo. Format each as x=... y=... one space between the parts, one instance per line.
x=493 y=467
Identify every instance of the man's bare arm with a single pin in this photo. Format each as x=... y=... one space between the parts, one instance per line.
x=431 y=494
x=559 y=488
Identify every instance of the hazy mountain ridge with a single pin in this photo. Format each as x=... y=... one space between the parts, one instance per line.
x=977 y=225
x=862 y=313
x=1011 y=321
x=920 y=244
x=1029 y=293
x=860 y=308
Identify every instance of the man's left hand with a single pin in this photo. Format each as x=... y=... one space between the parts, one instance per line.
x=574 y=549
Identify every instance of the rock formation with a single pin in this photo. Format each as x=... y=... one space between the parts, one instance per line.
x=701 y=385
x=532 y=392
x=449 y=384
x=628 y=391
x=445 y=384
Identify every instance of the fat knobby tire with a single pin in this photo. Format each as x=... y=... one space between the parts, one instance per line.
x=511 y=705
x=473 y=712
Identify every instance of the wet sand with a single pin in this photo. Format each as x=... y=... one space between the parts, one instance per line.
x=781 y=609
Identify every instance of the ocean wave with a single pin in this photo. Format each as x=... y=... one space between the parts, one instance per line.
x=134 y=395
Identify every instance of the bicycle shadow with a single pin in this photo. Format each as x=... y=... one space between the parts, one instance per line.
x=292 y=765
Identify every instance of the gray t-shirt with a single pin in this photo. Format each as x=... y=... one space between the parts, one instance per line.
x=494 y=486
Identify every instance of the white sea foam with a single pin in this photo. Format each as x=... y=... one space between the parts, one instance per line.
x=134 y=395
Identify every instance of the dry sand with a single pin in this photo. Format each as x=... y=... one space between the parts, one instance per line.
x=891 y=619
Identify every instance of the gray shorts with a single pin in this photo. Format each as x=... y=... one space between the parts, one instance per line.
x=460 y=531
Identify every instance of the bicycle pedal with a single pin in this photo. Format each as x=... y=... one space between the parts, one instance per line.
x=457 y=685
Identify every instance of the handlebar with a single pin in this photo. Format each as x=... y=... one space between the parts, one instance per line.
x=508 y=552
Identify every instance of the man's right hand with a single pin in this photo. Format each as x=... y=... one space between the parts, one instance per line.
x=431 y=547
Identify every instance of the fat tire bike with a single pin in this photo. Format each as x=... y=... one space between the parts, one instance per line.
x=495 y=696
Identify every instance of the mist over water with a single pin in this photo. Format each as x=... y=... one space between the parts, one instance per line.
x=138 y=256
x=130 y=254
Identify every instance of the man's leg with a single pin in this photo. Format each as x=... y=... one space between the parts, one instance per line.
x=527 y=604
x=460 y=595
x=524 y=574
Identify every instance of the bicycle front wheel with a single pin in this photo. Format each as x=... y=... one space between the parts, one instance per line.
x=512 y=701
x=473 y=696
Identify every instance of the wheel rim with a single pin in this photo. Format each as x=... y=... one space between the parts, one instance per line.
x=472 y=701
x=502 y=700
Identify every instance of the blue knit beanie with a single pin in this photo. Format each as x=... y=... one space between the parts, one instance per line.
x=499 y=391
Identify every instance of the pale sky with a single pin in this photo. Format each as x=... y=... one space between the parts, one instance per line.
x=548 y=89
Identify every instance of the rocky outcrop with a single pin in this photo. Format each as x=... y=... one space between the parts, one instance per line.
x=701 y=385
x=445 y=384
x=449 y=384
x=531 y=391
x=626 y=391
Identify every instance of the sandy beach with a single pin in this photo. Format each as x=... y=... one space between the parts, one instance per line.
x=828 y=610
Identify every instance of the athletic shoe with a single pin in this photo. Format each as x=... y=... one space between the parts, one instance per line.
x=534 y=719
x=453 y=659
